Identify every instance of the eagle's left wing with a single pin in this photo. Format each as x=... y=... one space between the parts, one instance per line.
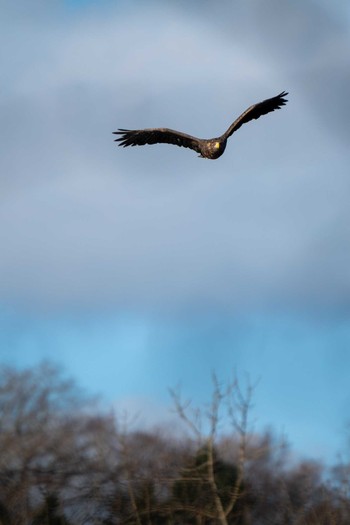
x=256 y=111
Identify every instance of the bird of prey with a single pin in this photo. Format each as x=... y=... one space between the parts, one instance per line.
x=207 y=148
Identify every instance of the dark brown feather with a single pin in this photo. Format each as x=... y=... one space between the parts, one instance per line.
x=139 y=137
x=207 y=148
x=256 y=111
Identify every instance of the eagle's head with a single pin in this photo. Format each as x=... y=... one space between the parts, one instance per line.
x=215 y=148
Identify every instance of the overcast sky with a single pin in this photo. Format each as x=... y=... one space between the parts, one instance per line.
x=141 y=268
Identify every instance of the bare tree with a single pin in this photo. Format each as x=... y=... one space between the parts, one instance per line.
x=64 y=461
x=52 y=442
x=229 y=403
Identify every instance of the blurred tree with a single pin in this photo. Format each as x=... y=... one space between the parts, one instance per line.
x=215 y=487
x=195 y=495
x=51 y=442
x=64 y=462
x=5 y=517
x=148 y=464
x=50 y=513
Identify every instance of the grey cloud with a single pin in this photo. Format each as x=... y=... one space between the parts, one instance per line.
x=86 y=223
x=306 y=42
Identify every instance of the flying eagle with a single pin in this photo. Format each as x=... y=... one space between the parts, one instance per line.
x=207 y=148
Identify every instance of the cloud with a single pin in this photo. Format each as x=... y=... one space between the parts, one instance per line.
x=84 y=223
x=142 y=413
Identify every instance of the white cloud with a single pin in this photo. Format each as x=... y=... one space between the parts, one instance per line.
x=142 y=413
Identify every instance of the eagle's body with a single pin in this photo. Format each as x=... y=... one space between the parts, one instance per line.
x=207 y=148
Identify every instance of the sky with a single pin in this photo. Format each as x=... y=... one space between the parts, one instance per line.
x=139 y=269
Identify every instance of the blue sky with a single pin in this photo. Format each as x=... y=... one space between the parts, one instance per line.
x=140 y=269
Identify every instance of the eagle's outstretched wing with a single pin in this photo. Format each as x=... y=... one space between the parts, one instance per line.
x=208 y=148
x=256 y=111
x=139 y=137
